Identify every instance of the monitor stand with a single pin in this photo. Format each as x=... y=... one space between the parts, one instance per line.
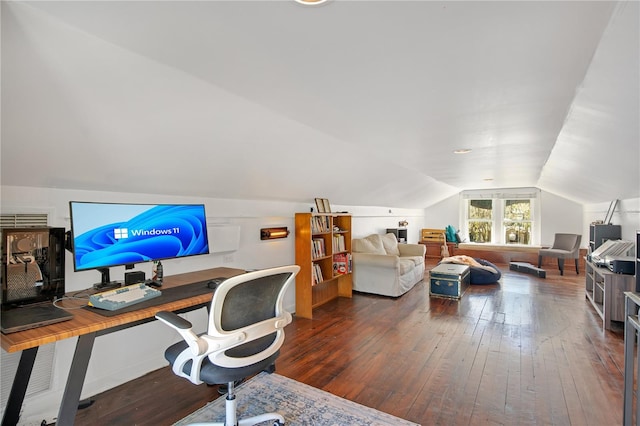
x=105 y=281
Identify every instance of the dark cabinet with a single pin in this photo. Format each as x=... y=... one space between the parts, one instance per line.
x=600 y=232
x=400 y=233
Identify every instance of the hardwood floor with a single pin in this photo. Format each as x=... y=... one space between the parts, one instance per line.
x=525 y=351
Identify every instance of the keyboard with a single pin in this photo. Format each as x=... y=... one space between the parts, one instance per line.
x=119 y=298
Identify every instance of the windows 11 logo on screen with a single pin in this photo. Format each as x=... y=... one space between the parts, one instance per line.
x=111 y=234
x=122 y=233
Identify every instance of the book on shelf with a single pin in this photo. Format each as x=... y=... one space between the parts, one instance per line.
x=316 y=274
x=320 y=224
x=341 y=264
x=318 y=248
x=338 y=243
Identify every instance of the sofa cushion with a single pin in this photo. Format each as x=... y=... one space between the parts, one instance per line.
x=371 y=244
x=406 y=265
x=417 y=260
x=390 y=244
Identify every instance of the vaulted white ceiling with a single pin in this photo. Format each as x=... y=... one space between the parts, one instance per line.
x=361 y=102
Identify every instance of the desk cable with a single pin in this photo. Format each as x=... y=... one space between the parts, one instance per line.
x=76 y=296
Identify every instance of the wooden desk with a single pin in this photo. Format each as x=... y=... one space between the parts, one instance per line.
x=87 y=325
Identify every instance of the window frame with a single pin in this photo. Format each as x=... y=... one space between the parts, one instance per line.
x=499 y=197
x=490 y=221
x=528 y=221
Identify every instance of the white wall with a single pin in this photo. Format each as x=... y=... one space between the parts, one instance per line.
x=444 y=213
x=559 y=215
x=140 y=349
x=376 y=220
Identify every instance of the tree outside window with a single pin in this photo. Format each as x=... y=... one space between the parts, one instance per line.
x=480 y=220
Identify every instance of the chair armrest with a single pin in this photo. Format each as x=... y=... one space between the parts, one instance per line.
x=195 y=354
x=184 y=328
x=388 y=260
x=412 y=249
x=174 y=320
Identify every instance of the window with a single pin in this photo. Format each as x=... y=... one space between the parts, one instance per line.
x=480 y=220
x=516 y=222
x=502 y=217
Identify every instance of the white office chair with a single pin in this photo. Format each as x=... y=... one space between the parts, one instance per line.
x=245 y=333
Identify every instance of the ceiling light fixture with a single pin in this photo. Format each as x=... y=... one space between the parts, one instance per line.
x=462 y=151
x=311 y=2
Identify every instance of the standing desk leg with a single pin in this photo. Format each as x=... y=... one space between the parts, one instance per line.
x=77 y=373
x=19 y=387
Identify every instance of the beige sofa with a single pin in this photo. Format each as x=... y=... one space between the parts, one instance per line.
x=382 y=266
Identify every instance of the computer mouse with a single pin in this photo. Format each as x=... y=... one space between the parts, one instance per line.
x=215 y=282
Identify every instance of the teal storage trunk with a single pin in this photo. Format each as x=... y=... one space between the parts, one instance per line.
x=449 y=280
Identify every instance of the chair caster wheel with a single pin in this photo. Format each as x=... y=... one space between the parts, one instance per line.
x=278 y=423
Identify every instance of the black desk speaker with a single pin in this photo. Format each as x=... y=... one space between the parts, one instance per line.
x=134 y=277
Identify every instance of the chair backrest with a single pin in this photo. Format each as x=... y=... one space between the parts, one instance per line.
x=249 y=307
x=568 y=242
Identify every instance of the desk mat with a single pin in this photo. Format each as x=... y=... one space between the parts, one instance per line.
x=168 y=295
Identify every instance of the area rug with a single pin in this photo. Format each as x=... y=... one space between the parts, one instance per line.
x=300 y=404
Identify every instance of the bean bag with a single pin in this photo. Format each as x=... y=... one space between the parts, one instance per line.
x=481 y=271
x=484 y=275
